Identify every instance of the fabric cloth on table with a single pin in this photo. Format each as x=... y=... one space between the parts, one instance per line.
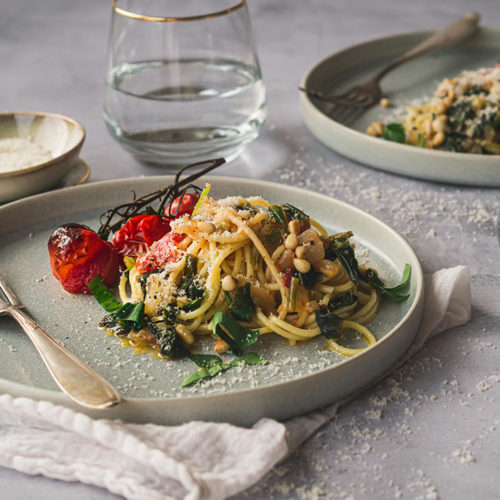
x=197 y=460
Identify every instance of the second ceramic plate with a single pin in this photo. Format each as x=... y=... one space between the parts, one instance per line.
x=405 y=85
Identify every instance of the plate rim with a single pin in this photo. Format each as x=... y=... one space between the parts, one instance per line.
x=417 y=272
x=307 y=107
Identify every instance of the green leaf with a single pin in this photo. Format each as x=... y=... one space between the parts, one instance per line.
x=328 y=322
x=194 y=377
x=131 y=313
x=250 y=358
x=278 y=214
x=310 y=278
x=193 y=304
x=211 y=365
x=205 y=360
x=228 y=329
x=243 y=307
x=293 y=213
x=342 y=301
x=398 y=293
x=103 y=295
x=168 y=340
x=343 y=250
x=395 y=132
x=401 y=291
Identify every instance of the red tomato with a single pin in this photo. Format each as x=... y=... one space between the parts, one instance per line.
x=139 y=233
x=78 y=255
x=161 y=252
x=188 y=203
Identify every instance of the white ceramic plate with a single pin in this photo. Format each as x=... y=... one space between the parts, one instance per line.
x=414 y=80
x=295 y=380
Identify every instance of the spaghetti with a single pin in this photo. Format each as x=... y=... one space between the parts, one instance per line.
x=270 y=267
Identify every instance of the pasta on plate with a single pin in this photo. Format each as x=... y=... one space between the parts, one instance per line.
x=463 y=116
x=248 y=265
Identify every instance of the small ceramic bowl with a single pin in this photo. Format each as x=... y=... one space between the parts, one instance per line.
x=57 y=134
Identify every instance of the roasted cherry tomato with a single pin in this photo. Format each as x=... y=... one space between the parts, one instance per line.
x=139 y=233
x=78 y=255
x=161 y=252
x=187 y=203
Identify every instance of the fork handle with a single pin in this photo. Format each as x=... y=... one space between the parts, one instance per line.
x=82 y=384
x=452 y=34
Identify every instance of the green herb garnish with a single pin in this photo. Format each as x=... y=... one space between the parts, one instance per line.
x=398 y=293
x=277 y=214
x=132 y=314
x=328 y=322
x=293 y=213
x=242 y=307
x=212 y=365
x=395 y=132
x=103 y=295
x=169 y=342
x=342 y=301
x=228 y=329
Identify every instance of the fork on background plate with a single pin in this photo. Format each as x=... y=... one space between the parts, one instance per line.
x=82 y=384
x=369 y=93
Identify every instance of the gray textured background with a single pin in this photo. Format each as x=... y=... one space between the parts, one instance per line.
x=432 y=429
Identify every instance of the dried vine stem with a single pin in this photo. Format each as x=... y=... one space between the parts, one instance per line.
x=166 y=195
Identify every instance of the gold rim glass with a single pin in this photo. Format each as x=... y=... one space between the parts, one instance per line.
x=184 y=83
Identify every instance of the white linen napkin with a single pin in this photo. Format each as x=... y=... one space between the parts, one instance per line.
x=198 y=460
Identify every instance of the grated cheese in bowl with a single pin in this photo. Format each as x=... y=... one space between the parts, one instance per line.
x=19 y=153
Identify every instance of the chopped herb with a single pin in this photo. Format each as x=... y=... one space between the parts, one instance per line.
x=243 y=307
x=328 y=322
x=169 y=342
x=310 y=278
x=395 y=132
x=228 y=329
x=132 y=314
x=117 y=327
x=345 y=253
x=189 y=284
x=212 y=365
x=103 y=295
x=194 y=304
x=278 y=214
x=293 y=213
x=348 y=299
x=170 y=313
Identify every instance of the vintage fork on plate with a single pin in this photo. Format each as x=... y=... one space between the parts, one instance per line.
x=82 y=384
x=369 y=93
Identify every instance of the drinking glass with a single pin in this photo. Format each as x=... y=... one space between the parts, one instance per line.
x=184 y=82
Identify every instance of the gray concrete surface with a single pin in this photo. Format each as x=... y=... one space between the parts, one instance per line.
x=432 y=429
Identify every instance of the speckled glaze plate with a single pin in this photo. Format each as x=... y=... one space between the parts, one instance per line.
x=414 y=81
x=296 y=380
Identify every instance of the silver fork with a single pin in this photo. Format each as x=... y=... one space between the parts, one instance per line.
x=82 y=384
x=368 y=93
